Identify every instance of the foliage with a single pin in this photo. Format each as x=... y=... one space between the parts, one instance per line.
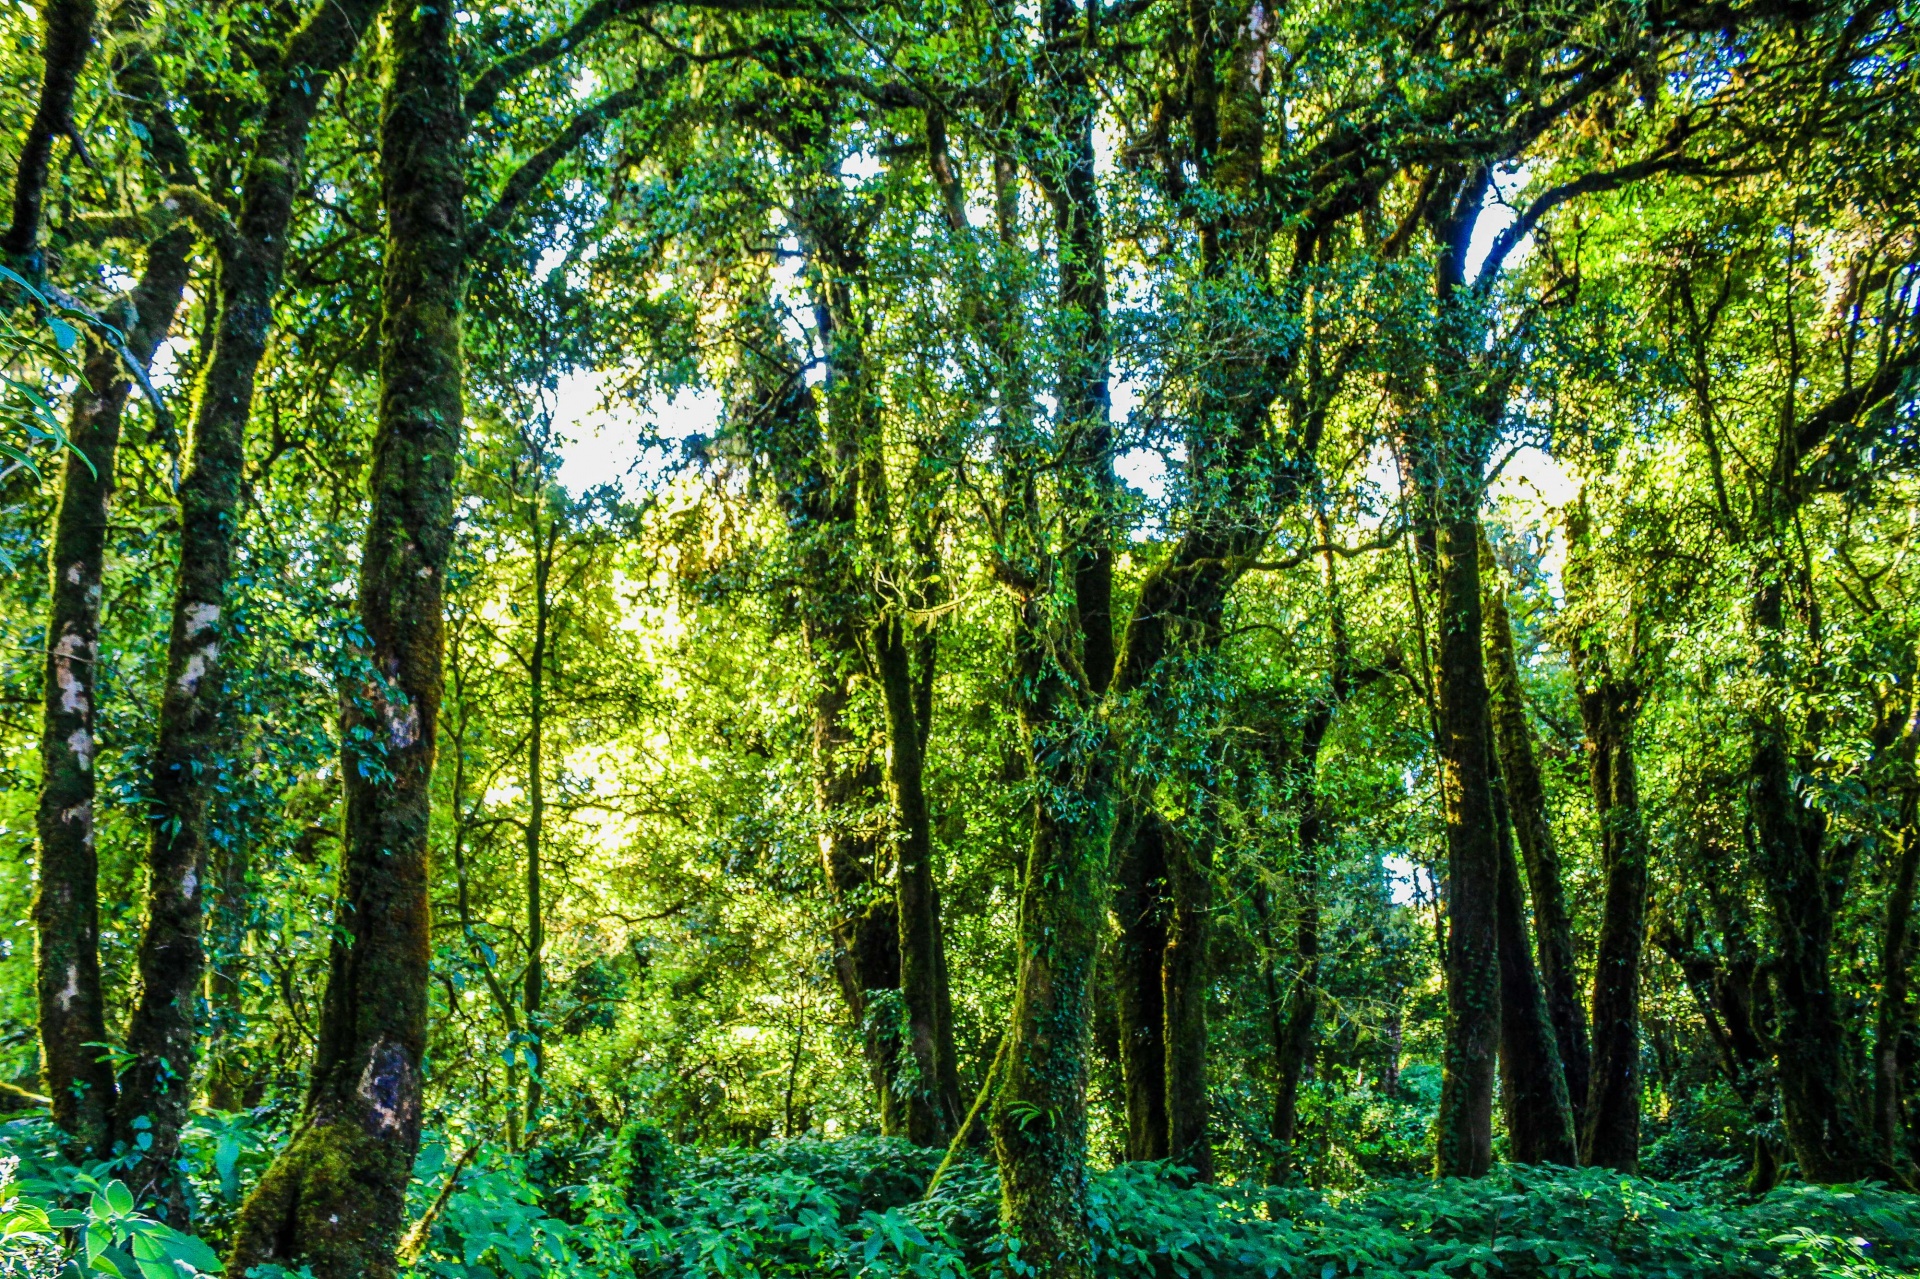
x=854 y=1208
x=39 y=1240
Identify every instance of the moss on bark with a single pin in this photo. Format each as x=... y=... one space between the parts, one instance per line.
x=65 y=908
x=184 y=766
x=335 y=1199
x=1527 y=803
x=1464 y=1137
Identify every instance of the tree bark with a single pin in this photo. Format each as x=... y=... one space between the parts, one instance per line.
x=1140 y=906
x=1464 y=1146
x=227 y=1073
x=1894 y=1023
x=1805 y=883
x=1608 y=706
x=1527 y=801
x=533 y=984
x=185 y=765
x=1533 y=1086
x=68 y=26
x=1039 y=1118
x=1293 y=1028
x=1184 y=978
x=1726 y=991
x=933 y=1102
x=335 y=1198
x=66 y=907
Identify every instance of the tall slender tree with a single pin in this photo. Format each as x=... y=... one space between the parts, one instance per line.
x=335 y=1198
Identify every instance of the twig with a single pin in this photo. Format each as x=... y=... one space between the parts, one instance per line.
x=415 y=1241
x=986 y=1086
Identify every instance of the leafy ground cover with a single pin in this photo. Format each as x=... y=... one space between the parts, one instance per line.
x=857 y=1208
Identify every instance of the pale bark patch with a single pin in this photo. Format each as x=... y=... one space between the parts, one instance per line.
x=201 y=617
x=197 y=665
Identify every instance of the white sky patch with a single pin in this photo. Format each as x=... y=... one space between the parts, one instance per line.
x=622 y=444
x=169 y=360
x=1531 y=490
x=1143 y=469
x=1496 y=215
x=1406 y=883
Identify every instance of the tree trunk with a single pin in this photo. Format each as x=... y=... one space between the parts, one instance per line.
x=1184 y=978
x=1725 y=993
x=184 y=769
x=1805 y=886
x=866 y=928
x=1140 y=905
x=227 y=1073
x=66 y=907
x=1894 y=1025
x=1533 y=1086
x=1464 y=1146
x=335 y=1198
x=1293 y=1029
x=69 y=34
x=1527 y=800
x=533 y=986
x=1611 y=1136
x=1039 y=1117
x=933 y=1099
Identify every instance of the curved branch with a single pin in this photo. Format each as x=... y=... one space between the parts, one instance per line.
x=534 y=170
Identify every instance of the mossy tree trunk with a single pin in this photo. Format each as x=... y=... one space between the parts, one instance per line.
x=544 y=531
x=1246 y=465
x=1611 y=1136
x=1039 y=1117
x=1806 y=882
x=1609 y=704
x=1731 y=996
x=1293 y=1018
x=1448 y=440
x=1805 y=872
x=335 y=1198
x=66 y=908
x=1893 y=1035
x=1532 y=1085
x=1527 y=803
x=1464 y=1140
x=185 y=764
x=68 y=36
x=933 y=1102
x=1140 y=906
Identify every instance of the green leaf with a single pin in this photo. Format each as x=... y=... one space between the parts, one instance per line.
x=194 y=1252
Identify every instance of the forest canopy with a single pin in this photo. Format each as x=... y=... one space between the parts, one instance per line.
x=943 y=637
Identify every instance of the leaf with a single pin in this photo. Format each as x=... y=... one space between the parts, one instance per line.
x=191 y=1250
x=119 y=1198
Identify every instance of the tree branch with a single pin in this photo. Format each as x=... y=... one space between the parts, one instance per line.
x=495 y=79
x=535 y=169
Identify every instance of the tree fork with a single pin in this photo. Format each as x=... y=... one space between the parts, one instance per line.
x=184 y=766
x=68 y=37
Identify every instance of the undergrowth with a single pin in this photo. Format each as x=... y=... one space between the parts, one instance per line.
x=634 y=1207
